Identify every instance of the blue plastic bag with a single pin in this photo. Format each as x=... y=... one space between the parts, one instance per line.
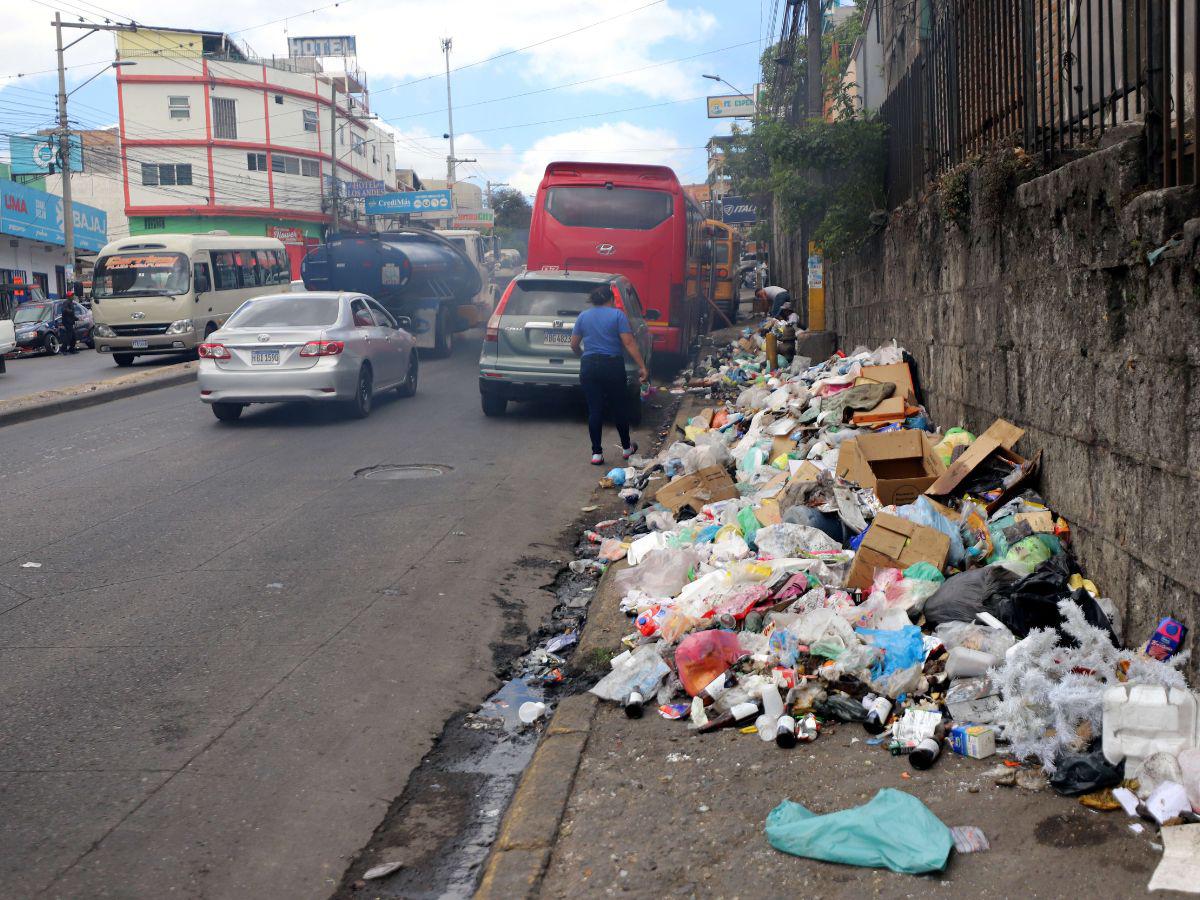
x=902 y=648
x=894 y=830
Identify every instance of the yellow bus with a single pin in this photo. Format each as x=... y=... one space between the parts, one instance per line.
x=726 y=244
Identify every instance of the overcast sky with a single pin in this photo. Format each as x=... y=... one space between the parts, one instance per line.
x=643 y=100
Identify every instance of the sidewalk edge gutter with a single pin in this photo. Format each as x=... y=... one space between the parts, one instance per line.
x=529 y=831
x=24 y=409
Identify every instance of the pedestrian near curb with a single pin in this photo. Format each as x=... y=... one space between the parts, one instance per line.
x=68 y=326
x=601 y=338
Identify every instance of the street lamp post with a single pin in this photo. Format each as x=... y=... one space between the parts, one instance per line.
x=726 y=83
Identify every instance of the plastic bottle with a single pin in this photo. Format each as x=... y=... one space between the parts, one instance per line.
x=926 y=753
x=772 y=705
x=785 y=732
x=878 y=709
x=634 y=705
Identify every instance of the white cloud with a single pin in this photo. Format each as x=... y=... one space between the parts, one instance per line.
x=610 y=142
x=402 y=39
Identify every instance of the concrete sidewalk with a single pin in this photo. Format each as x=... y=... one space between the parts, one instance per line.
x=647 y=807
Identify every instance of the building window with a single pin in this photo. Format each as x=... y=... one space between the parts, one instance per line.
x=224 y=118
x=310 y=168
x=154 y=223
x=289 y=165
x=256 y=162
x=154 y=175
x=342 y=135
x=388 y=158
x=279 y=99
x=310 y=119
x=179 y=107
x=358 y=144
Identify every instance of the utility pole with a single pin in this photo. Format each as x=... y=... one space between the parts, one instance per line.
x=494 y=184
x=447 y=43
x=333 y=159
x=64 y=159
x=815 y=93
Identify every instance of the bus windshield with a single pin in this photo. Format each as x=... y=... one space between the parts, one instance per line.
x=633 y=209
x=141 y=275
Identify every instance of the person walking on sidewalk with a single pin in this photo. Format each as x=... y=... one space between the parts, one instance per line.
x=601 y=338
x=68 y=326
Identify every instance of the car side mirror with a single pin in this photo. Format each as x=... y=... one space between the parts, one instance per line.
x=403 y=321
x=653 y=314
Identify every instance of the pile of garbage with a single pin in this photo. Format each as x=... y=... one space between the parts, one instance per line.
x=814 y=552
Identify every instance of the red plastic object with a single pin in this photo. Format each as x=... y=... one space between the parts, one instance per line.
x=703 y=655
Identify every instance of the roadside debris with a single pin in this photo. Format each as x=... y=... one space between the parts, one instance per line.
x=813 y=553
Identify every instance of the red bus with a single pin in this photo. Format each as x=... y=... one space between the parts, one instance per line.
x=631 y=220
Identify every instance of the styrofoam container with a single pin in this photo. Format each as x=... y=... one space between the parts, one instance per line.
x=966 y=663
x=1141 y=720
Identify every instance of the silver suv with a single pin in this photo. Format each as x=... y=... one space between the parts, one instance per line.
x=527 y=346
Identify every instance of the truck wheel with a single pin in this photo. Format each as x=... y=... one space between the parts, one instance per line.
x=493 y=405
x=443 y=339
x=124 y=360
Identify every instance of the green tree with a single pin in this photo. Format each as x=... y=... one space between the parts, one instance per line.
x=513 y=210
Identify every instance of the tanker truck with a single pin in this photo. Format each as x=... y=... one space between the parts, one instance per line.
x=412 y=272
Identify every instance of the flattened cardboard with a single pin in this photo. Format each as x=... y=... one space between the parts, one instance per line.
x=706 y=486
x=768 y=513
x=805 y=471
x=898 y=374
x=893 y=409
x=897 y=465
x=780 y=446
x=1000 y=434
x=895 y=543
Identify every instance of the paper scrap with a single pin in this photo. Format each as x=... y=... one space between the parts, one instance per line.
x=1127 y=798
x=969 y=839
x=1179 y=869
x=31 y=565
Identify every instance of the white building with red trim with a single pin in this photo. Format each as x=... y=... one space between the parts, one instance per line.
x=212 y=138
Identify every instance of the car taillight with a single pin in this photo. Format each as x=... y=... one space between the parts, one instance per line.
x=491 y=334
x=618 y=300
x=214 y=351
x=322 y=348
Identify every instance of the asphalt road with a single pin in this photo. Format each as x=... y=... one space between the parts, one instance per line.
x=30 y=374
x=234 y=650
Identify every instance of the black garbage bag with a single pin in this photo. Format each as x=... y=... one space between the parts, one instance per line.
x=1032 y=602
x=842 y=708
x=961 y=597
x=1082 y=773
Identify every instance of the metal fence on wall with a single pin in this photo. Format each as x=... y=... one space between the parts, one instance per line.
x=1051 y=76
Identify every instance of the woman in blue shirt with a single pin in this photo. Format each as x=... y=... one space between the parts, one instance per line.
x=601 y=337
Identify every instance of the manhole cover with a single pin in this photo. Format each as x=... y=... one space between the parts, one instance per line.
x=405 y=472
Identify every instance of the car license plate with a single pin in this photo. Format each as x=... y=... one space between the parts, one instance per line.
x=558 y=337
x=141 y=345
x=264 y=357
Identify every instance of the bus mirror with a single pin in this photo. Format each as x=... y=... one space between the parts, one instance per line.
x=653 y=314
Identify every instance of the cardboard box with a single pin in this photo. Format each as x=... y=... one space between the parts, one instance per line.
x=895 y=543
x=975 y=741
x=1000 y=438
x=706 y=486
x=897 y=465
x=768 y=513
x=898 y=374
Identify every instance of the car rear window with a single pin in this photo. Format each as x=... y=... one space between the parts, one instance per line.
x=548 y=298
x=633 y=209
x=286 y=312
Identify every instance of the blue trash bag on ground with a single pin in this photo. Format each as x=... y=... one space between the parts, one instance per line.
x=902 y=648
x=894 y=830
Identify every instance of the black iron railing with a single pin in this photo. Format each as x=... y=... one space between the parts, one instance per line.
x=1052 y=76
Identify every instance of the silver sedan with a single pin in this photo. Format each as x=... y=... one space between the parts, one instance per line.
x=307 y=346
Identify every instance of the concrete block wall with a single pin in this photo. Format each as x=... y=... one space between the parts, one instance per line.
x=1049 y=315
